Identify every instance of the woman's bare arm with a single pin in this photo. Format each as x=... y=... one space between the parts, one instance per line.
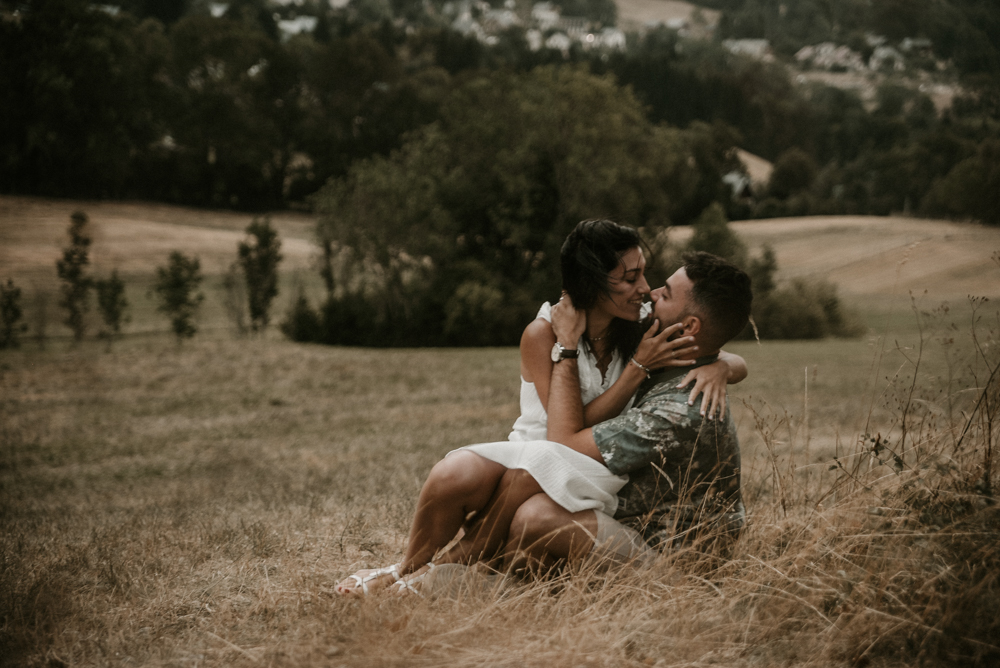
x=536 y=362
x=656 y=350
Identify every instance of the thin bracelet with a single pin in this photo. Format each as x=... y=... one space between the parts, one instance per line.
x=645 y=369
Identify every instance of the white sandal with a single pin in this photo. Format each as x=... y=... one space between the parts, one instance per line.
x=405 y=585
x=363 y=581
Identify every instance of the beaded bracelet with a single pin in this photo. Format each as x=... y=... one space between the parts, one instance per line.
x=645 y=369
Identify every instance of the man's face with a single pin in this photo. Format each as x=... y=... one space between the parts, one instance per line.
x=672 y=301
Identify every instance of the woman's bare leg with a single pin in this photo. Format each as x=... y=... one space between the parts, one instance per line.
x=543 y=532
x=486 y=535
x=459 y=484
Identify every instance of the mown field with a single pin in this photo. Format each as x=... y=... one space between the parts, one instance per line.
x=195 y=505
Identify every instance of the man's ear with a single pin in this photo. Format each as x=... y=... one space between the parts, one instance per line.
x=692 y=325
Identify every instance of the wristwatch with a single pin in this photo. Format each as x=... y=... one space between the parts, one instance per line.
x=560 y=353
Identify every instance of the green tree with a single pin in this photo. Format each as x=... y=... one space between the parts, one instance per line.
x=11 y=314
x=81 y=95
x=484 y=197
x=71 y=269
x=712 y=234
x=177 y=286
x=762 y=270
x=794 y=171
x=236 y=110
x=972 y=187
x=259 y=256
x=112 y=304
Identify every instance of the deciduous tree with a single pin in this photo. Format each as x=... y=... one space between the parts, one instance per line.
x=177 y=286
x=112 y=304
x=72 y=271
x=259 y=256
x=11 y=315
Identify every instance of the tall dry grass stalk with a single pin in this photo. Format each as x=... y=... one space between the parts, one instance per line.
x=197 y=506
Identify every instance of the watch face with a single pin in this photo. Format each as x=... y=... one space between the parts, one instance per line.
x=560 y=353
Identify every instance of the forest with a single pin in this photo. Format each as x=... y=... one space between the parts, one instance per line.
x=162 y=100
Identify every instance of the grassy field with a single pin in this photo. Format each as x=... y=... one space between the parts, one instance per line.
x=194 y=505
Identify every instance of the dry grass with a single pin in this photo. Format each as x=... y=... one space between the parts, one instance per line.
x=195 y=505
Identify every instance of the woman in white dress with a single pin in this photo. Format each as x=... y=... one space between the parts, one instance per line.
x=603 y=270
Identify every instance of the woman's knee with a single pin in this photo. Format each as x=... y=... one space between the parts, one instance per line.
x=462 y=473
x=534 y=518
x=520 y=479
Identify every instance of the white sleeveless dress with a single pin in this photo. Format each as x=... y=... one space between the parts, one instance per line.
x=573 y=480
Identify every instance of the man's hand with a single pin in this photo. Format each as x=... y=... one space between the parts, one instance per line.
x=568 y=323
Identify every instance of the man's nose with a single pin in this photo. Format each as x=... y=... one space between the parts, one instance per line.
x=656 y=294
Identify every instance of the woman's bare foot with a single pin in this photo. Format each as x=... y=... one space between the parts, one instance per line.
x=368 y=581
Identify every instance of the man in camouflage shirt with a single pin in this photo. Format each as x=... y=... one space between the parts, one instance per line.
x=684 y=470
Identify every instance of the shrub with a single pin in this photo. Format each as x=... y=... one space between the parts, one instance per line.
x=478 y=314
x=176 y=285
x=794 y=171
x=11 y=314
x=802 y=310
x=112 y=304
x=302 y=323
x=259 y=256
x=71 y=269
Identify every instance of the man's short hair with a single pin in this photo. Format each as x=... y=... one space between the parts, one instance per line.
x=721 y=292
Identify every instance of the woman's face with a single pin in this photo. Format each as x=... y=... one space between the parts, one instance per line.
x=627 y=287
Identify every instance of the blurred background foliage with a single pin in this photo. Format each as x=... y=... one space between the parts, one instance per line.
x=447 y=169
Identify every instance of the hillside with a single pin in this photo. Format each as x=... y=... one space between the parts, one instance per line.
x=866 y=256
x=870 y=256
x=133 y=238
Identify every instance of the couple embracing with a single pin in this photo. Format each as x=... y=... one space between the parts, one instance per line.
x=613 y=456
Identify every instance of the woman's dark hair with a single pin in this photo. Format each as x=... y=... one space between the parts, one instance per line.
x=591 y=251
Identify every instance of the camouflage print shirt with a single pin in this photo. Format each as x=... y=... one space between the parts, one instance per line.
x=684 y=471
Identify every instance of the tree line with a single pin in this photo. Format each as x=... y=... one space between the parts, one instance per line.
x=165 y=101
x=251 y=286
